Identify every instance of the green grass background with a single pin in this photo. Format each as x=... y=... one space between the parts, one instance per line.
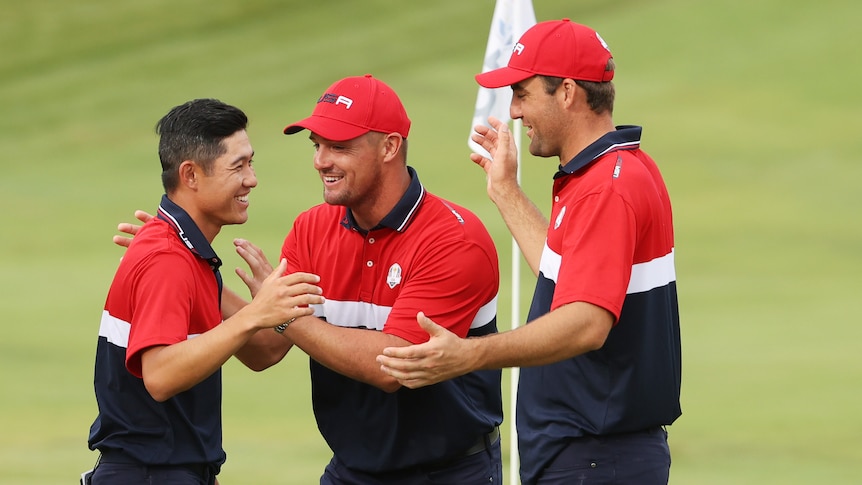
x=750 y=107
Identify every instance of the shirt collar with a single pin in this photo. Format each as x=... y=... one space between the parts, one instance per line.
x=625 y=137
x=400 y=216
x=188 y=231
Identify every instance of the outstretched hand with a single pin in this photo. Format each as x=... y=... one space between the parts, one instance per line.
x=257 y=263
x=502 y=167
x=131 y=229
x=281 y=298
x=442 y=357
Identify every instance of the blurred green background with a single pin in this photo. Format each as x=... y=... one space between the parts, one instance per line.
x=749 y=107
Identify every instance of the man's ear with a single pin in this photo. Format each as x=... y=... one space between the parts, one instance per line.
x=569 y=90
x=392 y=145
x=189 y=174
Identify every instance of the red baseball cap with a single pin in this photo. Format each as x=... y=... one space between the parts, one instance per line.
x=558 y=48
x=352 y=107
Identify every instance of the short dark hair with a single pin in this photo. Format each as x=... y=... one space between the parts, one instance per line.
x=195 y=131
x=600 y=95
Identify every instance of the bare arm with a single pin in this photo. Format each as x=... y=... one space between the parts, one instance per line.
x=263 y=349
x=328 y=343
x=568 y=331
x=168 y=370
x=524 y=220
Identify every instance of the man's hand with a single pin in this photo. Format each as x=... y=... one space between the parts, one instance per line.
x=257 y=263
x=502 y=167
x=283 y=298
x=130 y=229
x=443 y=357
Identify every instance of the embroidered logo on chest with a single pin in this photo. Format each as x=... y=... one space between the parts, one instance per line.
x=393 y=278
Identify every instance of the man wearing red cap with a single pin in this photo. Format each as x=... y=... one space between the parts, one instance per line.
x=386 y=249
x=601 y=352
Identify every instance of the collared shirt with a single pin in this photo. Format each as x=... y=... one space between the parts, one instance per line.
x=427 y=255
x=609 y=243
x=166 y=290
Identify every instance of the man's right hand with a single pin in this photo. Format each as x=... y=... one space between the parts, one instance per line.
x=282 y=298
x=130 y=229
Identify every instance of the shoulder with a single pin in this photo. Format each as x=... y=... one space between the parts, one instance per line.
x=445 y=212
x=157 y=245
x=319 y=213
x=445 y=221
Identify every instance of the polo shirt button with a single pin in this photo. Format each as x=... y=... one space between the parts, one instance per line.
x=593 y=465
x=369 y=263
x=370 y=240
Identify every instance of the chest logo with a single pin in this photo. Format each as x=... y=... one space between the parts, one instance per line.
x=393 y=278
x=559 y=219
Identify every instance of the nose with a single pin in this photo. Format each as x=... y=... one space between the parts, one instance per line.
x=250 y=179
x=320 y=159
x=515 y=109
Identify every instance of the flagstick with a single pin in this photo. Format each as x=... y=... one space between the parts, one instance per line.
x=514 y=460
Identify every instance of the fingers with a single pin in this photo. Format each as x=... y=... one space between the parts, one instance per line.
x=130 y=229
x=254 y=257
x=279 y=270
x=495 y=122
x=428 y=325
x=122 y=241
x=248 y=246
x=142 y=216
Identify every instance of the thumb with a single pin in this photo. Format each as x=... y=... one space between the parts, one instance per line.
x=429 y=326
x=279 y=270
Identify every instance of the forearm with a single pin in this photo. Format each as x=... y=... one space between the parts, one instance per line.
x=169 y=370
x=349 y=351
x=568 y=331
x=525 y=221
x=263 y=350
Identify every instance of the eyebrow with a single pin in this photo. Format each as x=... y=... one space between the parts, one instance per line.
x=240 y=159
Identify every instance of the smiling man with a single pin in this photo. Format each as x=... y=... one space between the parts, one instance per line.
x=385 y=249
x=162 y=338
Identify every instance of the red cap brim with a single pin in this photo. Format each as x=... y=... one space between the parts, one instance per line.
x=502 y=77
x=328 y=128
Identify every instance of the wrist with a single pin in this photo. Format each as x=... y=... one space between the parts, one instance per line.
x=280 y=328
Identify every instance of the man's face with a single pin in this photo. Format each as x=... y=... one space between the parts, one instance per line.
x=222 y=194
x=540 y=114
x=350 y=170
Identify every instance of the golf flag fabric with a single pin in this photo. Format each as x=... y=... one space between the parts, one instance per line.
x=510 y=20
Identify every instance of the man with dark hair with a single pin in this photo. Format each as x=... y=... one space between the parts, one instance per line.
x=162 y=338
x=385 y=248
x=601 y=351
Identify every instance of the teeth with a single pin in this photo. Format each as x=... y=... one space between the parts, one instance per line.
x=244 y=198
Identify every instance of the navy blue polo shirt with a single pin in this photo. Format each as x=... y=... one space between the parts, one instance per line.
x=166 y=290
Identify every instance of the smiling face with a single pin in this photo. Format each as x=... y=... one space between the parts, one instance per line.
x=541 y=114
x=350 y=170
x=221 y=193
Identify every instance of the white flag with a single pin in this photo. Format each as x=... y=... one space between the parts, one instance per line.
x=511 y=19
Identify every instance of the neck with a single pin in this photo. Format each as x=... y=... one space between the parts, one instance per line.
x=184 y=200
x=374 y=208
x=586 y=129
